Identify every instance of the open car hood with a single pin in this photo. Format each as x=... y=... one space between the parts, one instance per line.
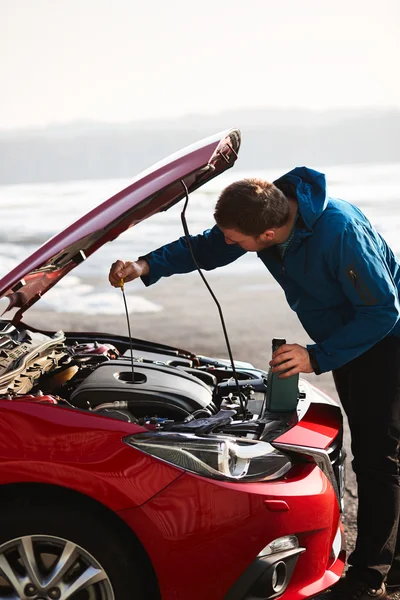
x=152 y=191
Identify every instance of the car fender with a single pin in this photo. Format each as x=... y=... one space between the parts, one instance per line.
x=85 y=452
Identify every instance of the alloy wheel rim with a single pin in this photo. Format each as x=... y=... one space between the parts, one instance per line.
x=43 y=567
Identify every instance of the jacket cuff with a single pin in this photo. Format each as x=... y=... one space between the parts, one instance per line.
x=313 y=360
x=149 y=279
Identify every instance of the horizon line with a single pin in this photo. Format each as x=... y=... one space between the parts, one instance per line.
x=82 y=121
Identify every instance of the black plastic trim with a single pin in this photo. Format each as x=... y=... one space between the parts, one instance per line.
x=255 y=582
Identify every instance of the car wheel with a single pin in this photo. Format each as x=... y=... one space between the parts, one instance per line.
x=58 y=553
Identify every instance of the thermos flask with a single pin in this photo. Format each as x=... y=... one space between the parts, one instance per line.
x=282 y=394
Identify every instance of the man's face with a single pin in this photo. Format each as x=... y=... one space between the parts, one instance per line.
x=247 y=242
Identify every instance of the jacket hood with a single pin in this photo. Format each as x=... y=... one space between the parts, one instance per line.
x=152 y=191
x=309 y=188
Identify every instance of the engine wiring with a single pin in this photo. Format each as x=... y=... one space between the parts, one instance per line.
x=187 y=235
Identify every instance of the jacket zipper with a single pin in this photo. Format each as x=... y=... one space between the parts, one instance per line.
x=282 y=265
x=280 y=259
x=359 y=285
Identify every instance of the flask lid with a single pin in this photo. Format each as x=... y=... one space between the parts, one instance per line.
x=277 y=343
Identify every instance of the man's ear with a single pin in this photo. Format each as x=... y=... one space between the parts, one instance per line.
x=268 y=235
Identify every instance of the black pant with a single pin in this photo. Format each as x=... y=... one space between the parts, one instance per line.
x=369 y=389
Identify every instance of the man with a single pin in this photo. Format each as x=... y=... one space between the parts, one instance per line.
x=343 y=281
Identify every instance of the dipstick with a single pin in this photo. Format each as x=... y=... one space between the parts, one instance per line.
x=121 y=285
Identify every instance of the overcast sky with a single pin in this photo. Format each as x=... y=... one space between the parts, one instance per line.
x=122 y=60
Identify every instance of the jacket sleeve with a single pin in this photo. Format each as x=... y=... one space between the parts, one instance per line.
x=358 y=262
x=209 y=248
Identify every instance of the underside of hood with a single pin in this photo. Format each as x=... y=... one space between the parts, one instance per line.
x=152 y=191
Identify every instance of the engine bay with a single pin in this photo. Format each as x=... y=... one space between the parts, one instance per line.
x=162 y=388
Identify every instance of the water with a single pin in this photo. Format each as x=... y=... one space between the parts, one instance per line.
x=30 y=214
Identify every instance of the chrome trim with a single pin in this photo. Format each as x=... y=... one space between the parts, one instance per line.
x=342 y=480
x=337 y=544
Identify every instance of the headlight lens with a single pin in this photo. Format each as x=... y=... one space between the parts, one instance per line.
x=217 y=457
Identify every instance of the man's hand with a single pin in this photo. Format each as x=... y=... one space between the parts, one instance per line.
x=291 y=358
x=127 y=270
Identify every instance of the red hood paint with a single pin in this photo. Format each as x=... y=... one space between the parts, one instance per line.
x=152 y=191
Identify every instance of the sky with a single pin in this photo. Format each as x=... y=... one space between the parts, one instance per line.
x=123 y=60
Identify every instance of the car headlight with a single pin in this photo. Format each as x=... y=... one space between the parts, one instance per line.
x=217 y=457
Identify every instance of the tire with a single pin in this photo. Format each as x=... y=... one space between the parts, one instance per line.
x=33 y=537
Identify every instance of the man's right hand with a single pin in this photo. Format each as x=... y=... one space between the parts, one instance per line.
x=127 y=270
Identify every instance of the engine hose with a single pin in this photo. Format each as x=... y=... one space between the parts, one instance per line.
x=118 y=404
x=204 y=412
x=241 y=396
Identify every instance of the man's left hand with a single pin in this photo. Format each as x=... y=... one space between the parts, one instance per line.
x=291 y=358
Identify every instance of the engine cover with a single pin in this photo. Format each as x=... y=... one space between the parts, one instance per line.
x=158 y=389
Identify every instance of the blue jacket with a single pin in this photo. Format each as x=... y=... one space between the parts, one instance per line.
x=338 y=274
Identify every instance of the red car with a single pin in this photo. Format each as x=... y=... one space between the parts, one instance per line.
x=173 y=481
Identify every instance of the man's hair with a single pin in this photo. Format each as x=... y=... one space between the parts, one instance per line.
x=251 y=206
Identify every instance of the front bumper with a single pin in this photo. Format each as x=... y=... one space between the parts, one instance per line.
x=204 y=537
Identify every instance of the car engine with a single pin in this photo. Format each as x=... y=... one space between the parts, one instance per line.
x=161 y=388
